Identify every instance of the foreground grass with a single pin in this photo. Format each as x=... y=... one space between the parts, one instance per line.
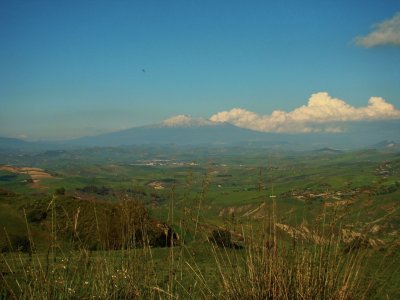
x=269 y=265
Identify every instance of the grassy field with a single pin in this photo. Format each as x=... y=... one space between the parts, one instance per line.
x=247 y=224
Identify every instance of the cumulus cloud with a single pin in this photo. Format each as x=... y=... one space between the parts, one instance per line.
x=319 y=114
x=384 y=33
x=185 y=120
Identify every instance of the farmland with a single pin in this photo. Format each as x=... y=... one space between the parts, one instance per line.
x=55 y=208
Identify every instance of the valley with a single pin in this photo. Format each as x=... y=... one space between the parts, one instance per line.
x=311 y=197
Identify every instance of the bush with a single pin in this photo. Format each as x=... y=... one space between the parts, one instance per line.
x=60 y=191
x=18 y=243
x=36 y=215
x=223 y=238
x=157 y=234
x=92 y=189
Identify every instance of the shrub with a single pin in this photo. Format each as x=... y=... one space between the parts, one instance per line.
x=60 y=191
x=17 y=243
x=157 y=234
x=36 y=215
x=221 y=238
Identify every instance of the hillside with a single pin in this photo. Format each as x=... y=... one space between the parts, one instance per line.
x=141 y=216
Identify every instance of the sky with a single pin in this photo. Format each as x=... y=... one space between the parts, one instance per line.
x=76 y=68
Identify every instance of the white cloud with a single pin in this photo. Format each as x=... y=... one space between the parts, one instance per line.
x=318 y=115
x=185 y=120
x=384 y=33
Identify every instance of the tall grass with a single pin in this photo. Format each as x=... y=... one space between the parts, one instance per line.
x=271 y=264
x=277 y=267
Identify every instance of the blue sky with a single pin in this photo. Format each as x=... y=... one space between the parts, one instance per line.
x=72 y=68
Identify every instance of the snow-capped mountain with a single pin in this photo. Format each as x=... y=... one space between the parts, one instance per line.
x=186 y=130
x=186 y=121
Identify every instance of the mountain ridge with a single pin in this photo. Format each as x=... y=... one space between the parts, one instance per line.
x=185 y=130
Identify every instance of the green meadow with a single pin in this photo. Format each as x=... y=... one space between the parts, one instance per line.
x=200 y=223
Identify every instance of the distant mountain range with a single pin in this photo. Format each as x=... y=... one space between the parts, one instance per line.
x=387 y=144
x=18 y=144
x=184 y=130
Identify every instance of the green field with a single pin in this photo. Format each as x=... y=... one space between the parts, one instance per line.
x=335 y=214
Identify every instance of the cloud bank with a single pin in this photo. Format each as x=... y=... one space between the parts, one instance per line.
x=319 y=114
x=384 y=33
x=186 y=121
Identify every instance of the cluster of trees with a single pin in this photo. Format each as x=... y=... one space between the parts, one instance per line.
x=93 y=189
x=93 y=225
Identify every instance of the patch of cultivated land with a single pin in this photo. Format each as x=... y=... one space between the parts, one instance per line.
x=36 y=174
